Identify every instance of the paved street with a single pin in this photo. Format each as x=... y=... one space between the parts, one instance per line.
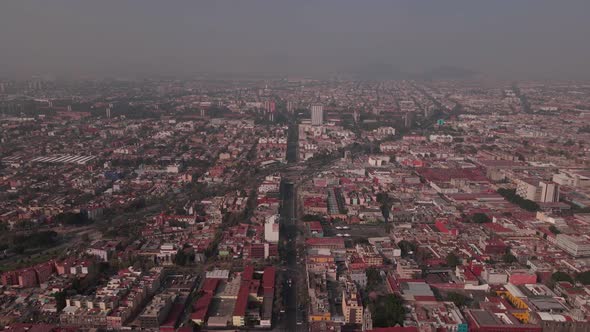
x=294 y=318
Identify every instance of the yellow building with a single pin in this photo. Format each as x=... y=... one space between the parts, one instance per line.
x=352 y=307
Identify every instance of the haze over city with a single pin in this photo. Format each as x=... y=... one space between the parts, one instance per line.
x=382 y=39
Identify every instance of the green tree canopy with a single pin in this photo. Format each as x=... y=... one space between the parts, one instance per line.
x=584 y=278
x=561 y=276
x=459 y=300
x=480 y=218
x=511 y=196
x=388 y=310
x=509 y=258
x=373 y=278
x=554 y=229
x=453 y=260
x=406 y=247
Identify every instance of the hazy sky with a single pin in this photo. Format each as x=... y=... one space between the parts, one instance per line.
x=508 y=38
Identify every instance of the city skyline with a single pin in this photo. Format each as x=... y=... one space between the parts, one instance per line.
x=295 y=166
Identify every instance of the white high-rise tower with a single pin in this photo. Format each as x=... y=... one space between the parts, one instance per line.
x=317 y=115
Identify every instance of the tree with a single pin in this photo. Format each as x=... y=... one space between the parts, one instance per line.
x=509 y=258
x=584 y=277
x=71 y=218
x=406 y=247
x=77 y=286
x=423 y=254
x=36 y=240
x=19 y=249
x=459 y=300
x=373 y=278
x=311 y=217
x=60 y=299
x=383 y=198
x=385 y=212
x=361 y=240
x=554 y=229
x=180 y=258
x=388 y=310
x=480 y=218
x=177 y=223
x=511 y=196
x=453 y=260
x=561 y=276
x=85 y=237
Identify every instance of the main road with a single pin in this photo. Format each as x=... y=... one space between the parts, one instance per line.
x=294 y=317
x=288 y=237
x=294 y=288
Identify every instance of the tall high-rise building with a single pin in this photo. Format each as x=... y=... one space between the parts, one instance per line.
x=108 y=111
x=409 y=120
x=538 y=191
x=269 y=106
x=290 y=106
x=549 y=192
x=317 y=115
x=269 y=109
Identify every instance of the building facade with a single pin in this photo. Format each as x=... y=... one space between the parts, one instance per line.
x=317 y=115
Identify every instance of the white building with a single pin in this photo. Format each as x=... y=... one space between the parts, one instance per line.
x=217 y=274
x=572 y=178
x=317 y=115
x=271 y=229
x=378 y=160
x=574 y=245
x=549 y=192
x=494 y=277
x=538 y=191
x=385 y=131
x=173 y=169
x=441 y=138
x=526 y=189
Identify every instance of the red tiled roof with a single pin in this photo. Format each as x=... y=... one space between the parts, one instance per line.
x=242 y=300
x=446 y=174
x=174 y=315
x=315 y=226
x=424 y=298
x=268 y=278
x=210 y=285
x=248 y=273
x=497 y=227
x=325 y=241
x=474 y=196
x=395 y=329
